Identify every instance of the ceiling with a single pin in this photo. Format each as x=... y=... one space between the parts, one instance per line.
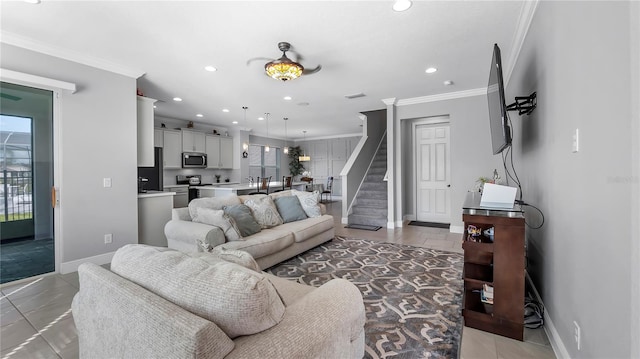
x=363 y=47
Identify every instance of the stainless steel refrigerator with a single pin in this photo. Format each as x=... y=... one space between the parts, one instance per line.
x=153 y=175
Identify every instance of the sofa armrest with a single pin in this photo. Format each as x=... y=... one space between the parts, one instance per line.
x=181 y=214
x=116 y=318
x=192 y=236
x=326 y=323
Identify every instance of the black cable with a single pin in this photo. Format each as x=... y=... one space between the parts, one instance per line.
x=522 y=203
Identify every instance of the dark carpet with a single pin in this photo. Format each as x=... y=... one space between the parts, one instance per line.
x=412 y=295
x=429 y=224
x=26 y=258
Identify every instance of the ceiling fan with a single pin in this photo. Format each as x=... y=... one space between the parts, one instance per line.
x=283 y=68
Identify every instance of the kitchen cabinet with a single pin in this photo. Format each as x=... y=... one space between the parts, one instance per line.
x=145 y=131
x=193 y=141
x=219 y=152
x=172 y=149
x=154 y=211
x=181 y=198
x=158 y=137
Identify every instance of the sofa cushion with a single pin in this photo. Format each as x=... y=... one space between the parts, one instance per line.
x=264 y=211
x=290 y=209
x=303 y=230
x=217 y=217
x=268 y=241
x=247 y=225
x=309 y=202
x=212 y=203
x=236 y=256
x=239 y=300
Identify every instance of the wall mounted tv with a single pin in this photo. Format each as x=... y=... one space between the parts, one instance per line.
x=498 y=117
x=498 y=120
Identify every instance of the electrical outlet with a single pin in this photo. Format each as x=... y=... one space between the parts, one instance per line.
x=576 y=334
x=106 y=182
x=108 y=238
x=576 y=141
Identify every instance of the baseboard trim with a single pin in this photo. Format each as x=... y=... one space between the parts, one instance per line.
x=557 y=345
x=409 y=217
x=456 y=229
x=100 y=259
x=345 y=220
x=391 y=225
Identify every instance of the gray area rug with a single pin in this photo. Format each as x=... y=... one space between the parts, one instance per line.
x=412 y=295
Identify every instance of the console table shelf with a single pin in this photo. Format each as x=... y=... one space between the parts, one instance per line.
x=498 y=262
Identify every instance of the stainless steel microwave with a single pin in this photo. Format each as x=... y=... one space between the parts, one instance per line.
x=194 y=160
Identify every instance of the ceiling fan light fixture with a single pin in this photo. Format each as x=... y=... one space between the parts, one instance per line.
x=283 y=69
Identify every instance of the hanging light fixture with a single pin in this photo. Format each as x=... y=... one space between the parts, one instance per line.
x=304 y=157
x=245 y=145
x=266 y=147
x=286 y=147
x=283 y=69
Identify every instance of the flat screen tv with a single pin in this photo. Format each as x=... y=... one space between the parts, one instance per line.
x=498 y=120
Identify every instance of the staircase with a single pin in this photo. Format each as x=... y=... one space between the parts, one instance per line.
x=370 y=204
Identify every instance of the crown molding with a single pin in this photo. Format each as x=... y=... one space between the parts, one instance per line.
x=522 y=29
x=29 y=44
x=443 y=96
x=389 y=101
x=36 y=81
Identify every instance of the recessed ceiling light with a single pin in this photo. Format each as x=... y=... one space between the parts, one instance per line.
x=401 y=5
x=199 y=115
x=448 y=83
x=225 y=110
x=210 y=68
x=287 y=98
x=32 y=1
x=431 y=70
x=235 y=122
x=154 y=106
x=260 y=118
x=177 y=99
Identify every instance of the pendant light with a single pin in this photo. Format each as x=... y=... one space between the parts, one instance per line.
x=245 y=145
x=286 y=147
x=266 y=147
x=304 y=157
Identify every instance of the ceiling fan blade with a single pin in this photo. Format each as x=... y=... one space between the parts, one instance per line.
x=312 y=71
x=258 y=58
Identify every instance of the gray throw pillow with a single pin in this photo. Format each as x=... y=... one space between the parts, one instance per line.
x=219 y=219
x=290 y=209
x=244 y=219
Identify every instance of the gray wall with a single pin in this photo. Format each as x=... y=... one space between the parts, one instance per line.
x=471 y=155
x=578 y=56
x=98 y=140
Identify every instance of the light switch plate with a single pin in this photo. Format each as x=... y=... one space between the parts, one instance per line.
x=576 y=141
x=106 y=182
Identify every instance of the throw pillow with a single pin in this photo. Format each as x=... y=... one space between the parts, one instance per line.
x=239 y=300
x=264 y=211
x=212 y=203
x=244 y=219
x=309 y=202
x=219 y=219
x=290 y=209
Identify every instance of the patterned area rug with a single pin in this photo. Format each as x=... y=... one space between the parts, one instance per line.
x=412 y=295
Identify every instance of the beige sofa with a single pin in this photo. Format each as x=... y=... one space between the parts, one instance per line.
x=161 y=303
x=268 y=247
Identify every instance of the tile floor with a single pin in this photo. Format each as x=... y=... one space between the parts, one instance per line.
x=37 y=322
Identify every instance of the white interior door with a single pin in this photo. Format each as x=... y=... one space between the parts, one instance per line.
x=433 y=173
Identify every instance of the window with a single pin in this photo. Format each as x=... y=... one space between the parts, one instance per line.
x=264 y=164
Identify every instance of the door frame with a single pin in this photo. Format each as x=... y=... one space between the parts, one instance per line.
x=57 y=87
x=431 y=120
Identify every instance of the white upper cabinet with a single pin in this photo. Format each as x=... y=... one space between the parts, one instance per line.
x=172 y=149
x=145 y=131
x=193 y=141
x=226 y=152
x=219 y=152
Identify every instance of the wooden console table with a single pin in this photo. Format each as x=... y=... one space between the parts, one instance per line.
x=498 y=262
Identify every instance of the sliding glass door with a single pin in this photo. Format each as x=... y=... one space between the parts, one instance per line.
x=26 y=161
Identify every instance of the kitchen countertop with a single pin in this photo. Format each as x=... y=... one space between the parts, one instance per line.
x=245 y=186
x=150 y=194
x=175 y=185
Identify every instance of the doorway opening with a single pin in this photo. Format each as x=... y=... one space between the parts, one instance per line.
x=26 y=162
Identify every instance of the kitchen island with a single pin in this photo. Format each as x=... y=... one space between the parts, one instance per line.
x=222 y=189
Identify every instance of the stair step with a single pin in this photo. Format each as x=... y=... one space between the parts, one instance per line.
x=374 y=177
x=379 y=170
x=371 y=202
x=372 y=194
x=380 y=186
x=368 y=220
x=370 y=211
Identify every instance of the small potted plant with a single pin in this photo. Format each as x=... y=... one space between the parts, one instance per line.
x=217 y=178
x=226 y=179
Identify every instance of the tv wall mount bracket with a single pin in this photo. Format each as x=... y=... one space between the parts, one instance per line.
x=524 y=104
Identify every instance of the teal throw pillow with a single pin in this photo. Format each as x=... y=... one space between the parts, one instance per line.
x=244 y=219
x=290 y=209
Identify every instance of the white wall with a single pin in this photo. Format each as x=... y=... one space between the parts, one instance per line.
x=98 y=140
x=578 y=56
